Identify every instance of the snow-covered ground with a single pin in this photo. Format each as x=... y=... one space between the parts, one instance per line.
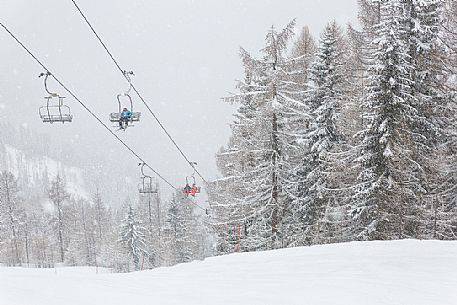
x=359 y=273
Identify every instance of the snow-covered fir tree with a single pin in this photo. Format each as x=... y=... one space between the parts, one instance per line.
x=386 y=92
x=132 y=237
x=391 y=188
x=319 y=192
x=438 y=70
x=182 y=230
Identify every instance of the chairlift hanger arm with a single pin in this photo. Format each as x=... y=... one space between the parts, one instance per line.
x=142 y=170
x=120 y=104
x=46 y=76
x=127 y=75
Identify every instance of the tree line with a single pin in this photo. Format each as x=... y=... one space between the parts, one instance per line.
x=144 y=233
x=348 y=138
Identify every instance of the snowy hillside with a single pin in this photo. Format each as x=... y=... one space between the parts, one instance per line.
x=359 y=273
x=33 y=171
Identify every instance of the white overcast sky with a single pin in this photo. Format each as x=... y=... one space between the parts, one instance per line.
x=184 y=54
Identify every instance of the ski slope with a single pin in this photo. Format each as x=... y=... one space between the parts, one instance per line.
x=360 y=273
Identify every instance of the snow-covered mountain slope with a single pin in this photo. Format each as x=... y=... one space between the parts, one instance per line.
x=359 y=273
x=35 y=171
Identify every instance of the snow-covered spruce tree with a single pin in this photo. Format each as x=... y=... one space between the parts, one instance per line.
x=319 y=193
x=420 y=23
x=131 y=236
x=58 y=195
x=448 y=35
x=442 y=207
x=436 y=30
x=426 y=55
x=257 y=161
x=387 y=203
x=369 y=16
x=450 y=30
x=181 y=229
x=12 y=219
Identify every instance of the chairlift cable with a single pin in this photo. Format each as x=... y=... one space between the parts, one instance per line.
x=191 y=164
x=85 y=107
x=93 y=114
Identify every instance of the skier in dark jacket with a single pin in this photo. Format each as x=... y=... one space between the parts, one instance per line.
x=187 y=189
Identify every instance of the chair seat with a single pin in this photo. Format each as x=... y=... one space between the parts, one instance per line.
x=56 y=118
x=115 y=117
x=147 y=190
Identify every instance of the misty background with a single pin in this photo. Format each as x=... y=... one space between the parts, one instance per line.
x=185 y=58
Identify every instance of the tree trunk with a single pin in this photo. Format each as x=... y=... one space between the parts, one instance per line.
x=62 y=258
x=13 y=228
x=274 y=194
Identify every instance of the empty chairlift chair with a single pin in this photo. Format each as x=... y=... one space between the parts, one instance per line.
x=146 y=186
x=55 y=109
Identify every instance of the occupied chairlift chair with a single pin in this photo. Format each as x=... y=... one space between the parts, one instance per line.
x=115 y=117
x=55 y=110
x=194 y=189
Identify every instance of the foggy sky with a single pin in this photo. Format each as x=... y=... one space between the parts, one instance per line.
x=185 y=57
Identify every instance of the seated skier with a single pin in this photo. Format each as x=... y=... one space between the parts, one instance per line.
x=193 y=190
x=124 y=118
x=187 y=189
